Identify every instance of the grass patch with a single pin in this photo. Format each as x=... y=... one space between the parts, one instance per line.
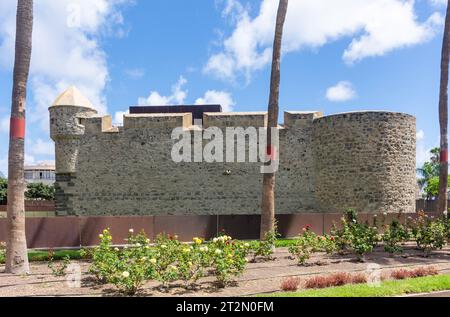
x=42 y=256
x=387 y=288
x=38 y=256
x=280 y=243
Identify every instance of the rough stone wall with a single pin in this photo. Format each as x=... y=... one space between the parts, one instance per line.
x=129 y=170
x=366 y=161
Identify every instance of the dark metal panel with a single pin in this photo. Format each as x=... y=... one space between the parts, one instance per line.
x=186 y=227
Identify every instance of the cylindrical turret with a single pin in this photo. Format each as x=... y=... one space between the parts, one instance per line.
x=67 y=115
x=366 y=161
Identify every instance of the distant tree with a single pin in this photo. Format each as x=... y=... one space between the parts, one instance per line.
x=432 y=187
x=429 y=169
x=40 y=191
x=429 y=172
x=3 y=189
x=443 y=116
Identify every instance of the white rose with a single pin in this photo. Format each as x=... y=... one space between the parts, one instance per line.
x=126 y=274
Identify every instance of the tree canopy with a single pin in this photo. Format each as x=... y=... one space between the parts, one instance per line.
x=34 y=191
x=429 y=175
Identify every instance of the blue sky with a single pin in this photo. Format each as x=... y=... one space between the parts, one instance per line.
x=339 y=56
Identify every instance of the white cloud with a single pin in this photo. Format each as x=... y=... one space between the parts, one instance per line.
x=135 y=73
x=422 y=153
x=118 y=116
x=374 y=27
x=420 y=135
x=29 y=159
x=217 y=97
x=41 y=147
x=4 y=124
x=422 y=150
x=177 y=97
x=342 y=91
x=66 y=49
x=4 y=166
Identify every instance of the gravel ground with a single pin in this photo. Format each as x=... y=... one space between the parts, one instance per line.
x=260 y=277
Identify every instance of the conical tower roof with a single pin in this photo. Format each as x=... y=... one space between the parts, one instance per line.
x=72 y=97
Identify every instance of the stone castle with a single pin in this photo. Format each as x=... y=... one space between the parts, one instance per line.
x=362 y=160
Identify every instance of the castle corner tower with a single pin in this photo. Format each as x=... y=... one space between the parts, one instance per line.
x=67 y=116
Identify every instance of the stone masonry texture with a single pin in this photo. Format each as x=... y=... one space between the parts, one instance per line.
x=363 y=160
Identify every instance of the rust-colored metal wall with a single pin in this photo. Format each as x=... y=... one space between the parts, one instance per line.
x=72 y=232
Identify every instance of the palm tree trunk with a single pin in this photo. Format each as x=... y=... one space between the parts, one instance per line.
x=443 y=117
x=16 y=254
x=268 y=195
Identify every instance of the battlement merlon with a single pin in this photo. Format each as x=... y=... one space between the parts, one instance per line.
x=157 y=121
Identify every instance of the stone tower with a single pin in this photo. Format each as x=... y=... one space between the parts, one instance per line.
x=67 y=116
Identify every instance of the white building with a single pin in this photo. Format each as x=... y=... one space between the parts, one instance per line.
x=40 y=174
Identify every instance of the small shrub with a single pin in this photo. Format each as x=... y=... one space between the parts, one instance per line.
x=354 y=236
x=134 y=265
x=334 y=280
x=327 y=244
x=430 y=234
x=167 y=249
x=402 y=274
x=290 y=284
x=394 y=235
x=58 y=269
x=305 y=245
x=424 y=271
x=104 y=258
x=2 y=252
x=359 y=278
x=228 y=258
x=266 y=247
x=193 y=262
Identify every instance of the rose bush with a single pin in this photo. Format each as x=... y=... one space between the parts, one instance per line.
x=228 y=258
x=429 y=233
x=104 y=258
x=359 y=238
x=394 y=236
x=309 y=242
x=305 y=245
x=167 y=260
x=266 y=247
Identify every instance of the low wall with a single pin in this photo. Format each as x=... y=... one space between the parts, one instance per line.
x=427 y=205
x=72 y=232
x=34 y=205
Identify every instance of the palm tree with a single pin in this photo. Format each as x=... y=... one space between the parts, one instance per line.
x=16 y=253
x=268 y=195
x=443 y=116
